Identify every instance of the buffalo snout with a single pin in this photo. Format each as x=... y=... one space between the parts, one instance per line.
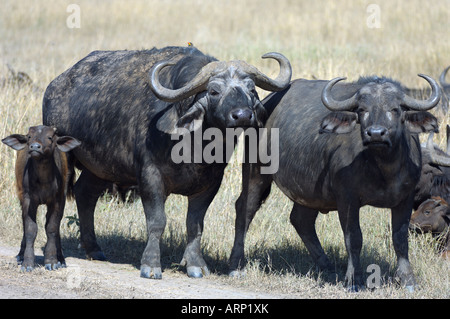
x=377 y=135
x=241 y=117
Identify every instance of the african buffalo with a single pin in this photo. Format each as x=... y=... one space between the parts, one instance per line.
x=435 y=175
x=43 y=177
x=342 y=146
x=125 y=105
x=433 y=216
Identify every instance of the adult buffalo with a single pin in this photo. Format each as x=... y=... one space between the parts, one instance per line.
x=435 y=175
x=124 y=105
x=342 y=146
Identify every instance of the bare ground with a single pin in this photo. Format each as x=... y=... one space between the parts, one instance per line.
x=83 y=279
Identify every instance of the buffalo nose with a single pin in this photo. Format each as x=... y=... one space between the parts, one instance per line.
x=241 y=116
x=376 y=132
x=35 y=147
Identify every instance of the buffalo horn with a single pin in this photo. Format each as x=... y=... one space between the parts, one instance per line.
x=335 y=105
x=200 y=81
x=442 y=77
x=424 y=105
x=436 y=158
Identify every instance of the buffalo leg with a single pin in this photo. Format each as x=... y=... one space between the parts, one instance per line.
x=151 y=189
x=255 y=189
x=87 y=190
x=303 y=219
x=400 y=222
x=192 y=258
x=349 y=219
x=53 y=256
x=26 y=253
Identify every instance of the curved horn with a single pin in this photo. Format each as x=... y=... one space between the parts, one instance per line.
x=424 y=105
x=196 y=85
x=442 y=77
x=436 y=158
x=332 y=104
x=283 y=78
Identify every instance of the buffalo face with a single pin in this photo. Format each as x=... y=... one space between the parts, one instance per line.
x=382 y=110
x=432 y=216
x=225 y=95
x=41 y=142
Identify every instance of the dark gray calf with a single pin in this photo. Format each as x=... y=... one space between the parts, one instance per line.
x=342 y=147
x=42 y=178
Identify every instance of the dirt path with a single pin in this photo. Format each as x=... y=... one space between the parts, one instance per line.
x=91 y=279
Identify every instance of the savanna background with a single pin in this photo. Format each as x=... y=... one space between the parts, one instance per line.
x=322 y=39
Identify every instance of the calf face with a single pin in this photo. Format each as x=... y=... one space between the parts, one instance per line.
x=41 y=142
x=41 y=179
x=432 y=216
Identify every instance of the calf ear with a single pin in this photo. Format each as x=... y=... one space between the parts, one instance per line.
x=67 y=143
x=338 y=122
x=16 y=141
x=420 y=121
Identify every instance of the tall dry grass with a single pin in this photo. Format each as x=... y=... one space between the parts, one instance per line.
x=323 y=39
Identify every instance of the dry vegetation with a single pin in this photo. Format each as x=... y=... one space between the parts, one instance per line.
x=323 y=39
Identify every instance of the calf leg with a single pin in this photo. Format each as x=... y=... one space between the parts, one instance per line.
x=153 y=197
x=26 y=253
x=303 y=219
x=400 y=223
x=87 y=190
x=255 y=189
x=192 y=258
x=53 y=256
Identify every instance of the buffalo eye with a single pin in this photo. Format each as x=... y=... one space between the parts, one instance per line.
x=213 y=92
x=427 y=212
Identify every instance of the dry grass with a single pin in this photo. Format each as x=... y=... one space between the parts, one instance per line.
x=321 y=38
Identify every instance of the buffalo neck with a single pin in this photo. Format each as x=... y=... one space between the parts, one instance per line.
x=391 y=160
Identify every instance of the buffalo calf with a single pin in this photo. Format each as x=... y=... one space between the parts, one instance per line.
x=42 y=177
x=433 y=216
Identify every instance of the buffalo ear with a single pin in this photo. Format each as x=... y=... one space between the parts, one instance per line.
x=420 y=121
x=16 y=141
x=190 y=121
x=338 y=122
x=168 y=120
x=67 y=143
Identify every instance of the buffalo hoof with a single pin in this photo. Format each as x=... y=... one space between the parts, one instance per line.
x=355 y=288
x=26 y=268
x=151 y=272
x=197 y=272
x=410 y=288
x=238 y=273
x=55 y=266
x=96 y=255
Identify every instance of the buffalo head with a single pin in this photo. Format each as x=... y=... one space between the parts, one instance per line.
x=381 y=108
x=432 y=216
x=227 y=94
x=41 y=142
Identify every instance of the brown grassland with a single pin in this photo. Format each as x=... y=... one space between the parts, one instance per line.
x=322 y=39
